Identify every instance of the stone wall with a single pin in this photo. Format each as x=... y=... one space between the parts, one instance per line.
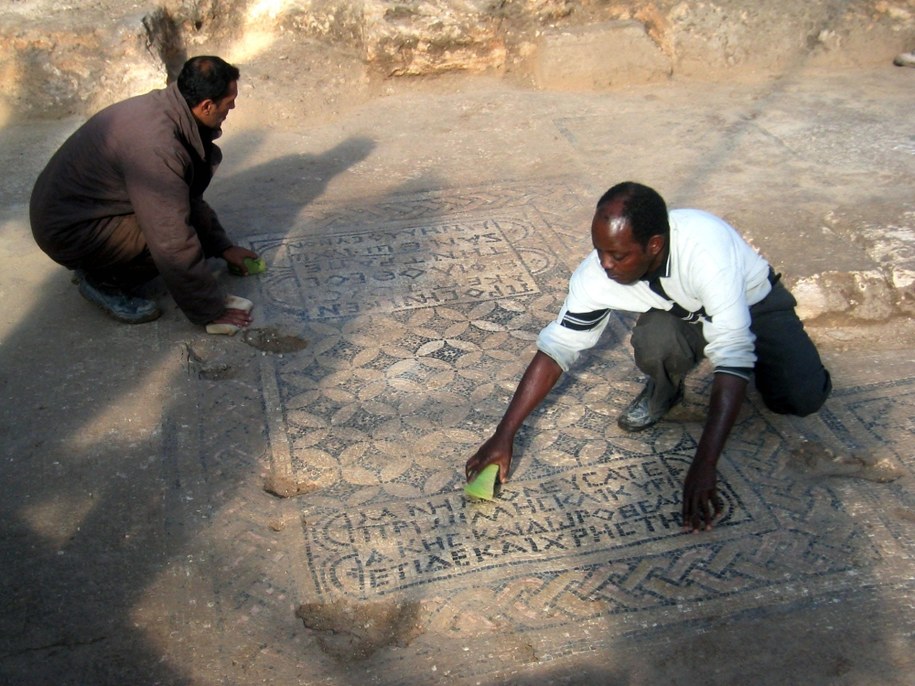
x=71 y=58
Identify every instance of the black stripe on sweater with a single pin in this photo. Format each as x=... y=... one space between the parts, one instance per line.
x=583 y=321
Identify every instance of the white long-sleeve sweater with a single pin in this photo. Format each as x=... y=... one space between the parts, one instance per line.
x=710 y=267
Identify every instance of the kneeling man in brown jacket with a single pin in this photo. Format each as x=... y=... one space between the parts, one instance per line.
x=122 y=200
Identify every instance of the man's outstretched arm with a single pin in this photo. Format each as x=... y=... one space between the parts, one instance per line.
x=541 y=375
x=701 y=504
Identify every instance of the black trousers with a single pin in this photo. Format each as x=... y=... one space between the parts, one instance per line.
x=789 y=374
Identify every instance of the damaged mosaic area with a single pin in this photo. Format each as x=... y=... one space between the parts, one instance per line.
x=422 y=313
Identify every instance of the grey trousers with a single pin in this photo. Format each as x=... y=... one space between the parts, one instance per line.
x=789 y=374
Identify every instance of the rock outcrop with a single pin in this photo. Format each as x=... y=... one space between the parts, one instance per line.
x=64 y=58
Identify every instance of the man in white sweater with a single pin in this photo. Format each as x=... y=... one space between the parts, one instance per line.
x=703 y=292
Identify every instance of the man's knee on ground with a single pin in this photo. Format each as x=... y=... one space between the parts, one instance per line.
x=800 y=399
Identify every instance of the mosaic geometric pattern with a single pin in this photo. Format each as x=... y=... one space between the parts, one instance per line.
x=421 y=316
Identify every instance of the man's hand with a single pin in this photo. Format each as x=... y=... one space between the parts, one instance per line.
x=701 y=504
x=239 y=318
x=539 y=377
x=235 y=255
x=496 y=450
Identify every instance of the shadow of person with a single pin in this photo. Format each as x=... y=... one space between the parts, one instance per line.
x=268 y=197
x=106 y=484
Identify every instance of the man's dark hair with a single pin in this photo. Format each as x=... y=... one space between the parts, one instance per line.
x=206 y=77
x=642 y=207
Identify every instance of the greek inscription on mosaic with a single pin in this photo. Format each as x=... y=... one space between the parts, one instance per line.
x=570 y=517
x=385 y=270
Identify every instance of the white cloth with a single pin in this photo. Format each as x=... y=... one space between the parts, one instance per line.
x=709 y=266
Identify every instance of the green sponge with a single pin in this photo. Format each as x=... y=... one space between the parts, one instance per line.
x=254 y=266
x=484 y=484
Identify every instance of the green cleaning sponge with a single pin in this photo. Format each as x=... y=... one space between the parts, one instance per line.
x=253 y=266
x=484 y=484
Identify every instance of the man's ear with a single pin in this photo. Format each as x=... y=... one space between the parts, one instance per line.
x=656 y=244
x=203 y=107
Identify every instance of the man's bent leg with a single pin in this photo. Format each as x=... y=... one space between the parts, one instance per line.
x=127 y=276
x=666 y=349
x=109 y=276
x=123 y=262
x=789 y=373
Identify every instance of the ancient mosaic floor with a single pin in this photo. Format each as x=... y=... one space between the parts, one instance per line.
x=421 y=314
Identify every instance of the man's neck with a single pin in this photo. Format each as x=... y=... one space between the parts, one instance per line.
x=659 y=268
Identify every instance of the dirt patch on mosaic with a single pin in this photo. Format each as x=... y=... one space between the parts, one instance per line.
x=272 y=340
x=209 y=362
x=356 y=631
x=812 y=460
x=287 y=486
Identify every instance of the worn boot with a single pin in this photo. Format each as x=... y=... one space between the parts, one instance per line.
x=640 y=414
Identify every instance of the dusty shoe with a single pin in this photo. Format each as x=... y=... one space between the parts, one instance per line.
x=119 y=305
x=638 y=414
x=905 y=59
